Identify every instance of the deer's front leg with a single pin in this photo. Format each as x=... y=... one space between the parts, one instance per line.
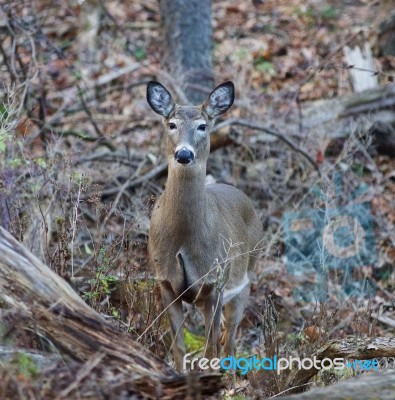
x=212 y=319
x=176 y=317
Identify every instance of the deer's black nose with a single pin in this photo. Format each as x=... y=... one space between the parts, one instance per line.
x=184 y=156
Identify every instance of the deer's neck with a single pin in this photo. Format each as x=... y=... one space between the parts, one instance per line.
x=185 y=195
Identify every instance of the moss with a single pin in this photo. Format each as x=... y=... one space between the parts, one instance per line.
x=193 y=343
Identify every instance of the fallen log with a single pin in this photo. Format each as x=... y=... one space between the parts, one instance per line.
x=370 y=386
x=376 y=103
x=350 y=348
x=370 y=111
x=56 y=312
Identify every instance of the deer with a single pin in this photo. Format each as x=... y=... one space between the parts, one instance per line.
x=203 y=239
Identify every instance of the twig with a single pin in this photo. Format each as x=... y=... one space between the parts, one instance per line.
x=157 y=171
x=83 y=373
x=163 y=75
x=320 y=67
x=106 y=157
x=102 y=80
x=289 y=389
x=79 y=135
x=91 y=120
x=383 y=319
x=115 y=74
x=253 y=125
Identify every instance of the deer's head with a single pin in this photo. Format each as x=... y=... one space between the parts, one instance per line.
x=188 y=127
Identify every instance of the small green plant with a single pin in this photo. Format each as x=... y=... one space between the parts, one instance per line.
x=140 y=54
x=103 y=282
x=4 y=136
x=26 y=366
x=264 y=67
x=193 y=342
x=3 y=112
x=307 y=12
x=358 y=168
x=329 y=12
x=241 y=54
x=116 y=314
x=14 y=162
x=294 y=339
x=41 y=162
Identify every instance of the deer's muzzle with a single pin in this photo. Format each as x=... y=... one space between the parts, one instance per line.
x=184 y=156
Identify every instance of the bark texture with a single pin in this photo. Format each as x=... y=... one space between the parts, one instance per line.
x=187 y=46
x=56 y=312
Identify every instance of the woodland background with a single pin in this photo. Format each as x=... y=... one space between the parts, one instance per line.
x=81 y=162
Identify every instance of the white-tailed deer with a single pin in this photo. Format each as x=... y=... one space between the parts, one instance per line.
x=203 y=238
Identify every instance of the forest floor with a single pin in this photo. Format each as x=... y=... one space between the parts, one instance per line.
x=81 y=157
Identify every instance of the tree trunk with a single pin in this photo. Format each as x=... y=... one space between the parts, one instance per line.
x=386 y=28
x=51 y=308
x=187 y=45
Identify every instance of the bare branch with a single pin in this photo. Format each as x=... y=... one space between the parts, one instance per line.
x=255 y=126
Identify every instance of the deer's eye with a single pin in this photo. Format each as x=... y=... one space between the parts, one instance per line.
x=172 y=125
x=202 y=127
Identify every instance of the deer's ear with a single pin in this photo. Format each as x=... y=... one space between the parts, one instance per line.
x=159 y=99
x=220 y=100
